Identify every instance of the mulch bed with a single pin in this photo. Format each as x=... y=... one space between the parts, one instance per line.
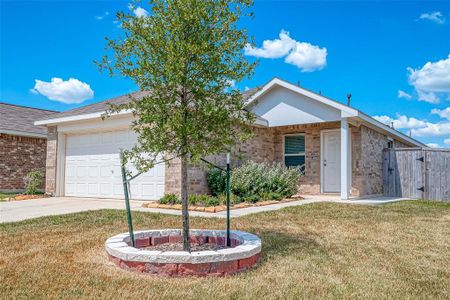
x=179 y=247
x=214 y=209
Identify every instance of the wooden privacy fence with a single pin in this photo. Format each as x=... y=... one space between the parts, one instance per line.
x=417 y=173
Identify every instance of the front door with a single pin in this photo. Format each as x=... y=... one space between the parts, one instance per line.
x=331 y=161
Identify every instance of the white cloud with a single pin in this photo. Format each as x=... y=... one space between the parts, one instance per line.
x=443 y=113
x=432 y=81
x=273 y=48
x=433 y=145
x=435 y=16
x=105 y=14
x=138 y=11
x=305 y=56
x=402 y=122
x=432 y=129
x=70 y=91
x=418 y=128
x=402 y=94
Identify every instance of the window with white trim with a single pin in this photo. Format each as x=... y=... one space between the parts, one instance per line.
x=294 y=150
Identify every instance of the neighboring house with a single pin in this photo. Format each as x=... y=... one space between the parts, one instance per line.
x=23 y=146
x=340 y=147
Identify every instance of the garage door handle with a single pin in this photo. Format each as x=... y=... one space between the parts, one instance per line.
x=324 y=163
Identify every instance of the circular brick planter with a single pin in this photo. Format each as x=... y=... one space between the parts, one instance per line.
x=243 y=254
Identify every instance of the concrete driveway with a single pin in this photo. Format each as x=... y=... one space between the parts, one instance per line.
x=13 y=211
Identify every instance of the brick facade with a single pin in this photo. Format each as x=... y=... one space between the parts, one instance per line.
x=267 y=146
x=50 y=166
x=18 y=156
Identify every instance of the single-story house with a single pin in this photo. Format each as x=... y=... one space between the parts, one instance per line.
x=340 y=146
x=23 y=145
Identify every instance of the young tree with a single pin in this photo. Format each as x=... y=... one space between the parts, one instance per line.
x=187 y=54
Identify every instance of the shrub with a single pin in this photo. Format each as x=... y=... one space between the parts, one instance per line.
x=272 y=196
x=169 y=199
x=251 y=198
x=212 y=201
x=32 y=182
x=216 y=181
x=233 y=199
x=203 y=200
x=260 y=178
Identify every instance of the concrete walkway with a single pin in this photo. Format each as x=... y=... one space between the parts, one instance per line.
x=22 y=210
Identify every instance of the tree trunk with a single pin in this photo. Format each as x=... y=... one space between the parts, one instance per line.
x=184 y=202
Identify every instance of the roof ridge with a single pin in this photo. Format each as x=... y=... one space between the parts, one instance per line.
x=18 y=105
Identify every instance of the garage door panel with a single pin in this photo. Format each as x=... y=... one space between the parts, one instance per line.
x=93 y=167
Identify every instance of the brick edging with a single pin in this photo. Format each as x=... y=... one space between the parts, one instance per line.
x=243 y=255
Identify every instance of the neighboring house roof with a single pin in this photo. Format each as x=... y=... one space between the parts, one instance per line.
x=251 y=98
x=19 y=120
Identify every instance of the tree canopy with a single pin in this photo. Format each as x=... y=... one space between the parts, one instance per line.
x=188 y=55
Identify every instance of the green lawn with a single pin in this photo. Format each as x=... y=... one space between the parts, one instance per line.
x=4 y=196
x=400 y=250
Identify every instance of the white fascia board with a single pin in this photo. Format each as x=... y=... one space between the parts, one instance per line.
x=23 y=133
x=260 y=121
x=76 y=118
x=346 y=110
x=393 y=132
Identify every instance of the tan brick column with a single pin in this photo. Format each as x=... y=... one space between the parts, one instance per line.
x=50 y=174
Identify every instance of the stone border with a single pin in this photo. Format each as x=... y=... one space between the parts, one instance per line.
x=244 y=253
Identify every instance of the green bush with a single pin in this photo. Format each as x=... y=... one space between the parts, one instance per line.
x=169 y=199
x=272 y=196
x=216 y=181
x=233 y=199
x=203 y=200
x=251 y=198
x=32 y=182
x=262 y=179
x=212 y=201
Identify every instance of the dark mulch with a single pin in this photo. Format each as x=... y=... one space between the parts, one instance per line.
x=179 y=247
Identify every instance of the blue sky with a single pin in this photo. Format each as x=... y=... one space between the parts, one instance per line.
x=377 y=51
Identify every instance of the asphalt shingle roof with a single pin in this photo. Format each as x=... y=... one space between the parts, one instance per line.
x=104 y=105
x=21 y=118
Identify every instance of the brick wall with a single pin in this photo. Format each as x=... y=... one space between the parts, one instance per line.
x=370 y=174
x=266 y=146
x=18 y=156
x=50 y=166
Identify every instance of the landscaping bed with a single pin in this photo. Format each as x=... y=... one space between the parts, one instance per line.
x=156 y=252
x=221 y=207
x=16 y=197
x=252 y=184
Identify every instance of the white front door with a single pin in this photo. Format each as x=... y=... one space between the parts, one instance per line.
x=93 y=167
x=331 y=161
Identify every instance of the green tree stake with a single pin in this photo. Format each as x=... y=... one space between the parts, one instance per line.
x=127 y=203
x=228 y=201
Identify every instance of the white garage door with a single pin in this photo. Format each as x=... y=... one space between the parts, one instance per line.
x=93 y=167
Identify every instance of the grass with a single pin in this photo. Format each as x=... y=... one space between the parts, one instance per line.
x=326 y=250
x=4 y=196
